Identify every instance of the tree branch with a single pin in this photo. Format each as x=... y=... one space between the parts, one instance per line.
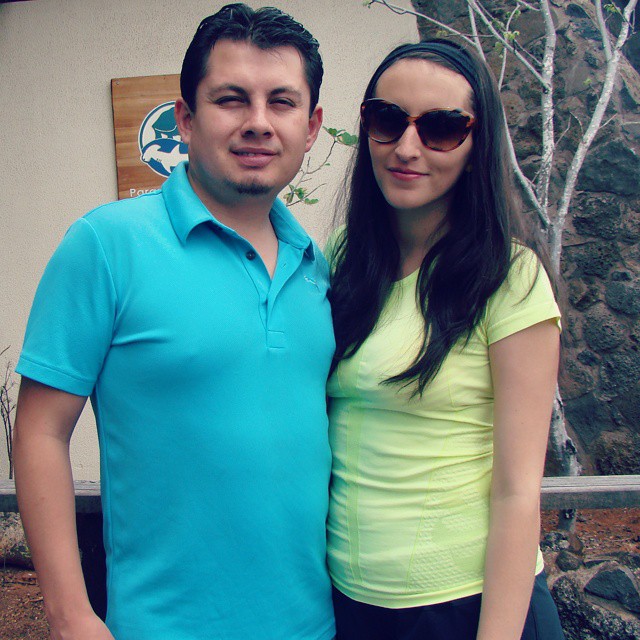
x=401 y=11
x=604 y=32
x=474 y=32
x=589 y=135
x=487 y=18
x=547 y=108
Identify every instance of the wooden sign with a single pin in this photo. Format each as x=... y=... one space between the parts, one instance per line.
x=148 y=145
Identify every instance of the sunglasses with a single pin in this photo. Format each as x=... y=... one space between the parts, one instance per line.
x=439 y=129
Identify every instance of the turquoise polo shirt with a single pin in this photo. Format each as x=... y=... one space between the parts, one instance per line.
x=207 y=379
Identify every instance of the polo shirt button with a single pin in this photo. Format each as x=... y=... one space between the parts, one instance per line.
x=251 y=255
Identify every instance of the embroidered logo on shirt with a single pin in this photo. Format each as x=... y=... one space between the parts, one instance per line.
x=312 y=281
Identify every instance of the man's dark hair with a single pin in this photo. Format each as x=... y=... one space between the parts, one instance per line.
x=265 y=28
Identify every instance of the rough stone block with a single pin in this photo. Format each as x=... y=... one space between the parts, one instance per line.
x=582 y=620
x=598 y=214
x=594 y=258
x=616 y=584
x=613 y=167
x=588 y=417
x=617 y=453
x=568 y=561
x=619 y=372
x=13 y=545
x=601 y=330
x=624 y=297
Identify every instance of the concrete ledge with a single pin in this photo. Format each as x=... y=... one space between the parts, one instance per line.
x=590 y=492
x=87 y=496
x=580 y=492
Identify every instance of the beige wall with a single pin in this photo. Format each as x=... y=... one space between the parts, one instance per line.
x=58 y=57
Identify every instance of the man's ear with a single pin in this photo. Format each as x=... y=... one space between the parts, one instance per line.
x=183 y=117
x=315 y=122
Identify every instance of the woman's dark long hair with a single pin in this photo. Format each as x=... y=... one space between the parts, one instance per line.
x=465 y=266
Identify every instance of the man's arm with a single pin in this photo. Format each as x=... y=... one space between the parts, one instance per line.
x=45 y=420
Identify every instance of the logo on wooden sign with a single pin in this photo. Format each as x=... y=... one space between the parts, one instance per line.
x=148 y=145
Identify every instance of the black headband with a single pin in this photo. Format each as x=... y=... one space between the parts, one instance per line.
x=453 y=53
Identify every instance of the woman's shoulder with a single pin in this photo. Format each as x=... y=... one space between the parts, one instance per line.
x=525 y=297
x=526 y=270
x=523 y=257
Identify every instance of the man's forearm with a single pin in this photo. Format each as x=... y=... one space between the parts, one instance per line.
x=47 y=506
x=45 y=420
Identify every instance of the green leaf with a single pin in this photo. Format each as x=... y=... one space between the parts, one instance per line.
x=311 y=200
x=331 y=132
x=348 y=139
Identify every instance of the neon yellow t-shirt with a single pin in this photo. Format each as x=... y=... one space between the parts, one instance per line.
x=409 y=509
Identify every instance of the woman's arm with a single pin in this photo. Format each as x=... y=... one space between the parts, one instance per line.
x=524 y=369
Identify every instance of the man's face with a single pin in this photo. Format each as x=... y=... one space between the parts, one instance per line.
x=251 y=127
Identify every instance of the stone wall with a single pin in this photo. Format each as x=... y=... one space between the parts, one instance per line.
x=600 y=269
x=598 y=597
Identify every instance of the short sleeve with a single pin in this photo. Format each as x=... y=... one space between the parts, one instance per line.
x=525 y=298
x=71 y=322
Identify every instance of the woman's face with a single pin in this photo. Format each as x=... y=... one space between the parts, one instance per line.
x=412 y=177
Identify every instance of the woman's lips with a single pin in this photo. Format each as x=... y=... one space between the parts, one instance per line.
x=405 y=174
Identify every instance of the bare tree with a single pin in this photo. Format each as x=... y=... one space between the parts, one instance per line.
x=487 y=31
x=298 y=191
x=7 y=409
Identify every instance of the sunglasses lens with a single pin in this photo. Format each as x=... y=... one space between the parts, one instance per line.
x=440 y=129
x=443 y=130
x=383 y=122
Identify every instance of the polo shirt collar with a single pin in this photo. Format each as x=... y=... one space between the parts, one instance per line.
x=289 y=230
x=186 y=211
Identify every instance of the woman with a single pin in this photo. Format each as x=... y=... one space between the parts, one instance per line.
x=447 y=350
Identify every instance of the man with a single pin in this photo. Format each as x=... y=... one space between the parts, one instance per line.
x=196 y=318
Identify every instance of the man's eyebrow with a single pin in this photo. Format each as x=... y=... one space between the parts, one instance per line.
x=226 y=87
x=288 y=90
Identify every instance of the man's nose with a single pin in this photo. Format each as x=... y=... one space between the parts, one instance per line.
x=257 y=122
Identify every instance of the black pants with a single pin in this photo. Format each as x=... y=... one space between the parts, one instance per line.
x=455 y=620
